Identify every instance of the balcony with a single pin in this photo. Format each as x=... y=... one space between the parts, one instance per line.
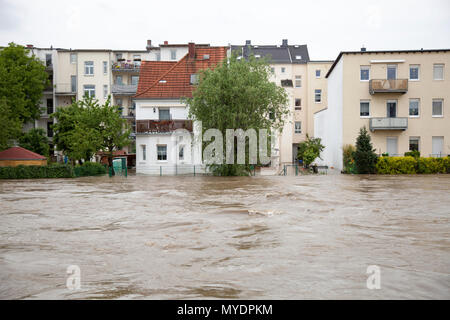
x=128 y=114
x=388 y=86
x=162 y=126
x=132 y=67
x=65 y=89
x=388 y=124
x=124 y=89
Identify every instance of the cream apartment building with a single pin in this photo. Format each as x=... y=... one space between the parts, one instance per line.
x=401 y=97
x=305 y=83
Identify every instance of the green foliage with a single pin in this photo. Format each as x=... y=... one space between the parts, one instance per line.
x=348 y=152
x=90 y=169
x=35 y=140
x=412 y=165
x=309 y=150
x=238 y=94
x=365 y=156
x=22 y=81
x=86 y=127
x=10 y=127
x=413 y=153
x=37 y=172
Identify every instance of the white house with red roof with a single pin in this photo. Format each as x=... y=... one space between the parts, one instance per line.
x=167 y=142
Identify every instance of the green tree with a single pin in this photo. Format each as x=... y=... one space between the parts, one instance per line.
x=238 y=94
x=22 y=81
x=86 y=127
x=10 y=127
x=35 y=140
x=365 y=156
x=309 y=150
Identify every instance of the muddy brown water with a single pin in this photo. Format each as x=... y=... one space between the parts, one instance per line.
x=302 y=237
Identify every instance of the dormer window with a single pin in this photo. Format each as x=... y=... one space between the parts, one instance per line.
x=162 y=81
x=298 y=57
x=206 y=57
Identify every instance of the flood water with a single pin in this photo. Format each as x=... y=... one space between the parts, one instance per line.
x=306 y=237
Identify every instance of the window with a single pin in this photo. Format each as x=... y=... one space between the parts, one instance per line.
x=48 y=60
x=414 y=72
x=137 y=57
x=272 y=70
x=164 y=114
x=437 y=146
x=318 y=95
x=298 y=127
x=317 y=73
x=286 y=83
x=173 y=54
x=144 y=152
x=105 y=91
x=283 y=70
x=118 y=56
x=364 y=73
x=438 y=108
x=49 y=106
x=181 y=153
x=105 y=67
x=194 y=79
x=134 y=80
x=392 y=72
x=119 y=80
x=73 y=83
x=162 y=153
x=414 y=107
x=89 y=68
x=73 y=58
x=49 y=129
x=438 y=72
x=298 y=103
x=364 y=109
x=414 y=143
x=391 y=108
x=158 y=56
x=298 y=57
x=89 y=90
x=298 y=81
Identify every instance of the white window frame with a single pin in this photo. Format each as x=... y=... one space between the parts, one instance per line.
x=105 y=67
x=283 y=70
x=442 y=108
x=73 y=61
x=105 y=91
x=392 y=66
x=157 y=152
x=418 y=142
x=173 y=54
x=364 y=101
x=144 y=152
x=315 y=95
x=90 y=90
x=320 y=73
x=296 y=130
x=418 y=107
x=443 y=71
x=418 y=71
x=298 y=81
x=89 y=67
x=361 y=68
x=134 y=77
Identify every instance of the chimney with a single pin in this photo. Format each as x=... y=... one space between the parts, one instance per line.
x=166 y=42
x=248 y=42
x=284 y=43
x=149 y=45
x=191 y=46
x=29 y=46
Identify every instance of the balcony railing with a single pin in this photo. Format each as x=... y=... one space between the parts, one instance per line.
x=124 y=89
x=388 y=124
x=65 y=89
x=126 y=66
x=162 y=126
x=388 y=86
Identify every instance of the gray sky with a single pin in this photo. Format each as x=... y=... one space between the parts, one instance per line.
x=327 y=27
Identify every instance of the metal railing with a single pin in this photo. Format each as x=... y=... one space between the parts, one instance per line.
x=174 y=170
x=124 y=89
x=162 y=126
x=126 y=66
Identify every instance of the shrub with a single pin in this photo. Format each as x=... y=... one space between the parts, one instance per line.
x=37 y=172
x=90 y=169
x=396 y=165
x=348 y=152
x=413 y=153
x=365 y=156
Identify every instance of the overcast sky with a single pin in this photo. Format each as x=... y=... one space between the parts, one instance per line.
x=327 y=27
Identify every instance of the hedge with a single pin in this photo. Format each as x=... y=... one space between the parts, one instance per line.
x=37 y=172
x=90 y=169
x=412 y=165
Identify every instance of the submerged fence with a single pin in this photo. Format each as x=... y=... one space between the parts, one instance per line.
x=295 y=170
x=175 y=170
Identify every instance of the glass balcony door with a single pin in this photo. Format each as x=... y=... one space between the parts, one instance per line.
x=392 y=72
x=391 y=109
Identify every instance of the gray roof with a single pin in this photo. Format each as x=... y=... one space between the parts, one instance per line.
x=277 y=54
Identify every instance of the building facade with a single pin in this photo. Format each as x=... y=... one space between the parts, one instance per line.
x=399 y=96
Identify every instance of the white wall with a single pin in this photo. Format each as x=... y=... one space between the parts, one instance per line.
x=144 y=109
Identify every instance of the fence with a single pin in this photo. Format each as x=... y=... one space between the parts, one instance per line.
x=175 y=170
x=295 y=169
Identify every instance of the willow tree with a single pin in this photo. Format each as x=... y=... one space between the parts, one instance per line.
x=238 y=94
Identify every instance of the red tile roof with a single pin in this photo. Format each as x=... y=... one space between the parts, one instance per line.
x=19 y=153
x=162 y=79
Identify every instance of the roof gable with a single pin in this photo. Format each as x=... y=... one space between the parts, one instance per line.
x=19 y=153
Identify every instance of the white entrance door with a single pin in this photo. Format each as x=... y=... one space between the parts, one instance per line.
x=391 y=148
x=438 y=146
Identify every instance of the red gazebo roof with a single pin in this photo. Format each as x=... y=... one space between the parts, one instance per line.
x=19 y=153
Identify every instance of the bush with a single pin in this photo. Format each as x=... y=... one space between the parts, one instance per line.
x=90 y=169
x=411 y=165
x=37 y=172
x=413 y=153
x=348 y=152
